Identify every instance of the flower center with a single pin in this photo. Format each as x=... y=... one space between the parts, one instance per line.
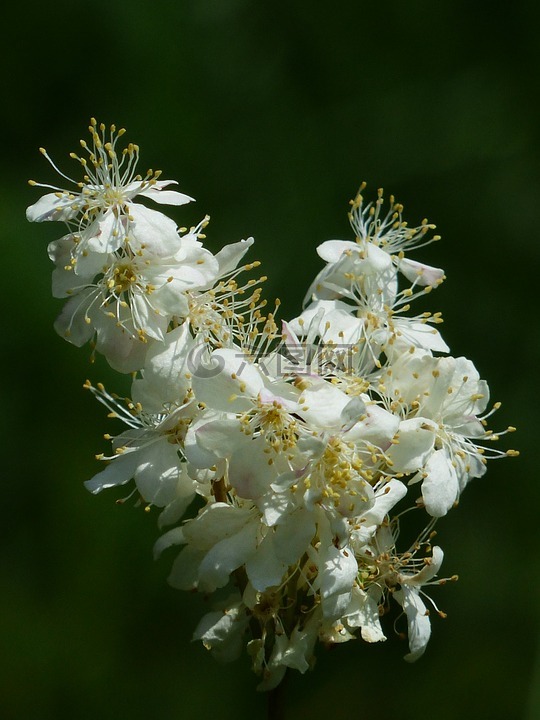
x=342 y=477
x=279 y=429
x=123 y=277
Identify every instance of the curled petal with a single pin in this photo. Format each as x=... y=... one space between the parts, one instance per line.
x=420 y=273
x=418 y=621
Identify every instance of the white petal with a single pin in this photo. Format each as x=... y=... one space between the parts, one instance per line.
x=186 y=489
x=118 y=472
x=315 y=313
x=185 y=570
x=222 y=632
x=227 y=382
x=222 y=437
x=264 y=569
x=229 y=256
x=170 y=299
x=226 y=556
x=106 y=234
x=417 y=620
x=337 y=575
x=427 y=573
x=274 y=507
x=215 y=522
x=332 y=250
x=196 y=453
x=249 y=472
x=420 y=273
x=378 y=427
x=165 y=197
x=52 y=207
x=65 y=283
x=157 y=475
x=363 y=612
x=342 y=328
x=416 y=437
x=324 y=404
x=147 y=318
x=440 y=488
x=291 y=538
x=167 y=540
x=385 y=499
x=164 y=376
x=153 y=231
x=124 y=352
x=71 y=323
x=299 y=652
x=419 y=334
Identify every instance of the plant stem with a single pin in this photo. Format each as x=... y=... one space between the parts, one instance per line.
x=219 y=490
x=276 y=700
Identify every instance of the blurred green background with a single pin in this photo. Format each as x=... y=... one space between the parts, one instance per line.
x=270 y=114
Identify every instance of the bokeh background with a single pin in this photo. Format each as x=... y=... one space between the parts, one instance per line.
x=270 y=114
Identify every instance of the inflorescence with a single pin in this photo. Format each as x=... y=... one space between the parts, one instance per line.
x=304 y=442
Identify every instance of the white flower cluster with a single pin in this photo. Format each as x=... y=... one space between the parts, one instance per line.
x=279 y=455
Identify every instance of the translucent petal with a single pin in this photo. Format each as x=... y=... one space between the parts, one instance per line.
x=229 y=256
x=415 y=440
x=152 y=231
x=227 y=382
x=363 y=612
x=440 y=488
x=337 y=574
x=226 y=556
x=264 y=569
x=417 y=620
x=420 y=273
x=52 y=207
x=292 y=537
x=156 y=193
x=118 y=472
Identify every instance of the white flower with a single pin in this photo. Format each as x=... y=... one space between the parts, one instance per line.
x=165 y=380
x=349 y=260
x=132 y=299
x=148 y=453
x=409 y=597
x=364 y=527
x=222 y=631
x=363 y=612
x=363 y=328
x=151 y=450
x=378 y=251
x=443 y=399
x=390 y=232
x=287 y=444
x=337 y=569
x=355 y=300
x=104 y=200
x=221 y=539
